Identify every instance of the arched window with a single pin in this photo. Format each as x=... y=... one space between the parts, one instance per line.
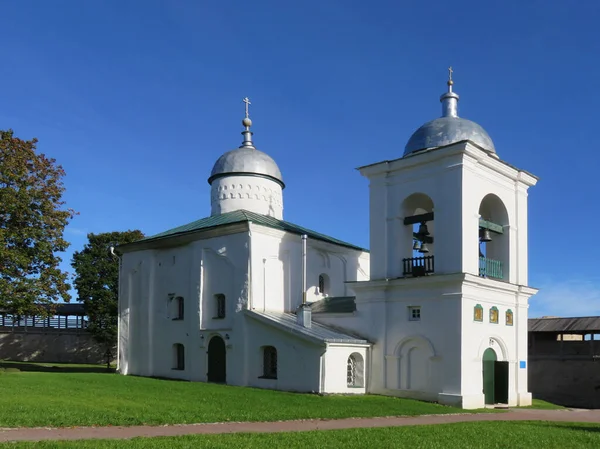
x=178 y=308
x=355 y=371
x=220 y=305
x=178 y=356
x=323 y=284
x=269 y=362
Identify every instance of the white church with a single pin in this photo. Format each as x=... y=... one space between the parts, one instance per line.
x=436 y=310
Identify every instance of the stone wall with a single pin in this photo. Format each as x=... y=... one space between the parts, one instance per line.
x=568 y=381
x=51 y=347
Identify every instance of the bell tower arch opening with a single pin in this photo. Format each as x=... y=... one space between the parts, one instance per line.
x=416 y=243
x=494 y=238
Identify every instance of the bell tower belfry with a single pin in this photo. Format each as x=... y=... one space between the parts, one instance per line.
x=448 y=239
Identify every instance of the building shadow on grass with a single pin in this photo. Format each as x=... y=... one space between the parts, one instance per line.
x=584 y=427
x=574 y=426
x=52 y=368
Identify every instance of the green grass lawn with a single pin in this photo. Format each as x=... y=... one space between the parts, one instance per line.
x=543 y=405
x=63 y=399
x=512 y=435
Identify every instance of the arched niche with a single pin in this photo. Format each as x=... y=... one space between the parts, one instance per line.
x=494 y=255
x=414 y=357
x=414 y=205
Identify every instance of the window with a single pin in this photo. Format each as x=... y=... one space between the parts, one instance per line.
x=178 y=315
x=220 y=305
x=478 y=313
x=269 y=362
x=494 y=315
x=178 y=356
x=414 y=313
x=323 y=284
x=355 y=371
x=509 y=317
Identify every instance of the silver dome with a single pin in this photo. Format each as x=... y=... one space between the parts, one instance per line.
x=246 y=160
x=449 y=128
x=446 y=130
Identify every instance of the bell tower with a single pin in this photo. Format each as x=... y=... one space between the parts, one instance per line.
x=448 y=238
x=449 y=205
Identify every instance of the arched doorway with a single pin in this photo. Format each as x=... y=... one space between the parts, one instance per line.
x=217 y=360
x=495 y=379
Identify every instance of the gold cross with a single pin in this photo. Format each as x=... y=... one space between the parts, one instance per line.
x=247 y=101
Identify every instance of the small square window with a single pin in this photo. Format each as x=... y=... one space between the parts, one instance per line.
x=414 y=313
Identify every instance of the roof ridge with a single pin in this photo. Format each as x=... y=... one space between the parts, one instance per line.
x=240 y=215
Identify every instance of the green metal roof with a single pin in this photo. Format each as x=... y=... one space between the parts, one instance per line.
x=334 y=304
x=239 y=216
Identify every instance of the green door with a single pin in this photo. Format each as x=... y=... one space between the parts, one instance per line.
x=501 y=382
x=489 y=361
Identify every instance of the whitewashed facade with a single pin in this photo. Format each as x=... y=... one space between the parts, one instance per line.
x=216 y=300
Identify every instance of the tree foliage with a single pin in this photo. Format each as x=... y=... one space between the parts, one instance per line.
x=97 y=284
x=32 y=223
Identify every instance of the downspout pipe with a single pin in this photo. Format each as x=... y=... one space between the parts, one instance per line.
x=304 y=237
x=250 y=266
x=119 y=258
x=304 y=312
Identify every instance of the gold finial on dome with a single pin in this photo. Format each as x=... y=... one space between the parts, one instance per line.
x=450 y=82
x=247 y=123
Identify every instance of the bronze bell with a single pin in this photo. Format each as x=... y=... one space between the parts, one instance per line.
x=423 y=231
x=424 y=248
x=484 y=235
x=416 y=245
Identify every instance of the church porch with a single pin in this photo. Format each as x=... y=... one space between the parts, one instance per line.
x=313 y=358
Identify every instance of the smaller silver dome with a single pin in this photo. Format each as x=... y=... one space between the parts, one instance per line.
x=246 y=160
x=447 y=130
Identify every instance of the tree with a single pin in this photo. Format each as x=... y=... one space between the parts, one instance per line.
x=97 y=284
x=32 y=224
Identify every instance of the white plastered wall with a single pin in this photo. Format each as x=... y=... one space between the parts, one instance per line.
x=298 y=360
x=509 y=342
x=335 y=368
x=277 y=269
x=194 y=271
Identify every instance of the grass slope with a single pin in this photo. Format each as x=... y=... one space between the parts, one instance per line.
x=543 y=405
x=512 y=435
x=30 y=399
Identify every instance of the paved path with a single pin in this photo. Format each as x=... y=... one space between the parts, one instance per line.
x=78 y=433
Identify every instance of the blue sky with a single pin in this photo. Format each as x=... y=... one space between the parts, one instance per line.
x=137 y=99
